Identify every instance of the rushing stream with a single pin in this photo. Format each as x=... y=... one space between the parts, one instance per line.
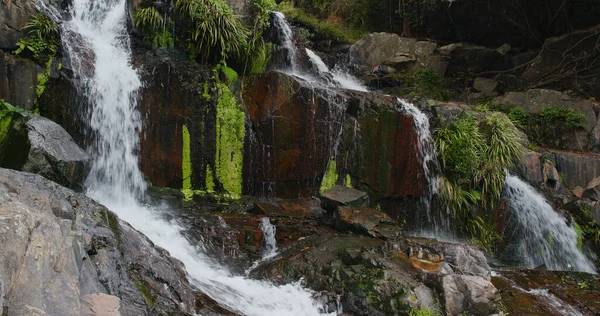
x=98 y=45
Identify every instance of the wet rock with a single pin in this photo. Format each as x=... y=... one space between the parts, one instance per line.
x=18 y=80
x=535 y=292
x=38 y=145
x=340 y=195
x=579 y=169
x=367 y=221
x=551 y=176
x=53 y=264
x=465 y=293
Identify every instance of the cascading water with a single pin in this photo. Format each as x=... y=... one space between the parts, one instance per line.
x=269 y=242
x=542 y=236
x=327 y=78
x=98 y=45
x=340 y=79
x=426 y=150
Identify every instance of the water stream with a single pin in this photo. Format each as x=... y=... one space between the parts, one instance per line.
x=98 y=45
x=541 y=235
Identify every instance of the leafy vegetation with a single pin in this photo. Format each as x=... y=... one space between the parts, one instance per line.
x=151 y=22
x=427 y=83
x=41 y=37
x=6 y=108
x=474 y=155
x=330 y=27
x=483 y=234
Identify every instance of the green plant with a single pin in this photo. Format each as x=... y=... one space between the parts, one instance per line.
x=484 y=234
x=473 y=167
x=519 y=117
x=554 y=122
x=41 y=37
x=156 y=28
x=427 y=83
x=215 y=34
x=6 y=108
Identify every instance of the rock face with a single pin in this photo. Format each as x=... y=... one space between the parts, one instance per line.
x=57 y=241
x=293 y=133
x=535 y=100
x=12 y=18
x=465 y=292
x=18 y=79
x=36 y=144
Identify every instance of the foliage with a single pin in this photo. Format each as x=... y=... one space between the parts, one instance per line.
x=337 y=31
x=214 y=33
x=6 y=108
x=427 y=83
x=330 y=177
x=484 y=234
x=519 y=117
x=152 y=23
x=230 y=74
x=474 y=156
x=41 y=37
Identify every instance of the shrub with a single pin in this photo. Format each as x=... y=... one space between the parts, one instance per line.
x=214 y=33
x=474 y=156
x=519 y=117
x=152 y=23
x=41 y=37
x=427 y=83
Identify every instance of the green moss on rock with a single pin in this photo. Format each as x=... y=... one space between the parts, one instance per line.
x=186 y=165
x=330 y=177
x=230 y=141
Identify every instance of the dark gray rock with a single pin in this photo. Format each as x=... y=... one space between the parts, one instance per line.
x=376 y=48
x=340 y=195
x=466 y=58
x=367 y=221
x=51 y=265
x=37 y=145
x=18 y=80
x=13 y=17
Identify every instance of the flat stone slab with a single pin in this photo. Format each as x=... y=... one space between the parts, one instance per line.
x=340 y=195
x=366 y=221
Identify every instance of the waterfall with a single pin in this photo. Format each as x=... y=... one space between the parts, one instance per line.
x=428 y=155
x=543 y=237
x=324 y=76
x=340 y=78
x=269 y=242
x=97 y=43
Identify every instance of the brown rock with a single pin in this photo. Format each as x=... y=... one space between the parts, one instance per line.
x=362 y=220
x=100 y=305
x=340 y=195
x=578 y=191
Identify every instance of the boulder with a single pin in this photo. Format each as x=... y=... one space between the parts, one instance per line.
x=60 y=265
x=579 y=169
x=578 y=191
x=592 y=191
x=469 y=58
x=376 y=48
x=18 y=80
x=465 y=293
x=367 y=221
x=38 y=145
x=340 y=195
x=551 y=176
x=565 y=59
x=485 y=85
x=531 y=167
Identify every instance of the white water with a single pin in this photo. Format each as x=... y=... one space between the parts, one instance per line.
x=426 y=150
x=269 y=242
x=555 y=302
x=341 y=79
x=327 y=78
x=111 y=85
x=544 y=237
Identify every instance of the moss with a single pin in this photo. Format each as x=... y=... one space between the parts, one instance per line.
x=579 y=235
x=186 y=165
x=42 y=78
x=113 y=224
x=5 y=123
x=230 y=132
x=348 y=181
x=229 y=73
x=206 y=93
x=145 y=291
x=210 y=180
x=330 y=177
